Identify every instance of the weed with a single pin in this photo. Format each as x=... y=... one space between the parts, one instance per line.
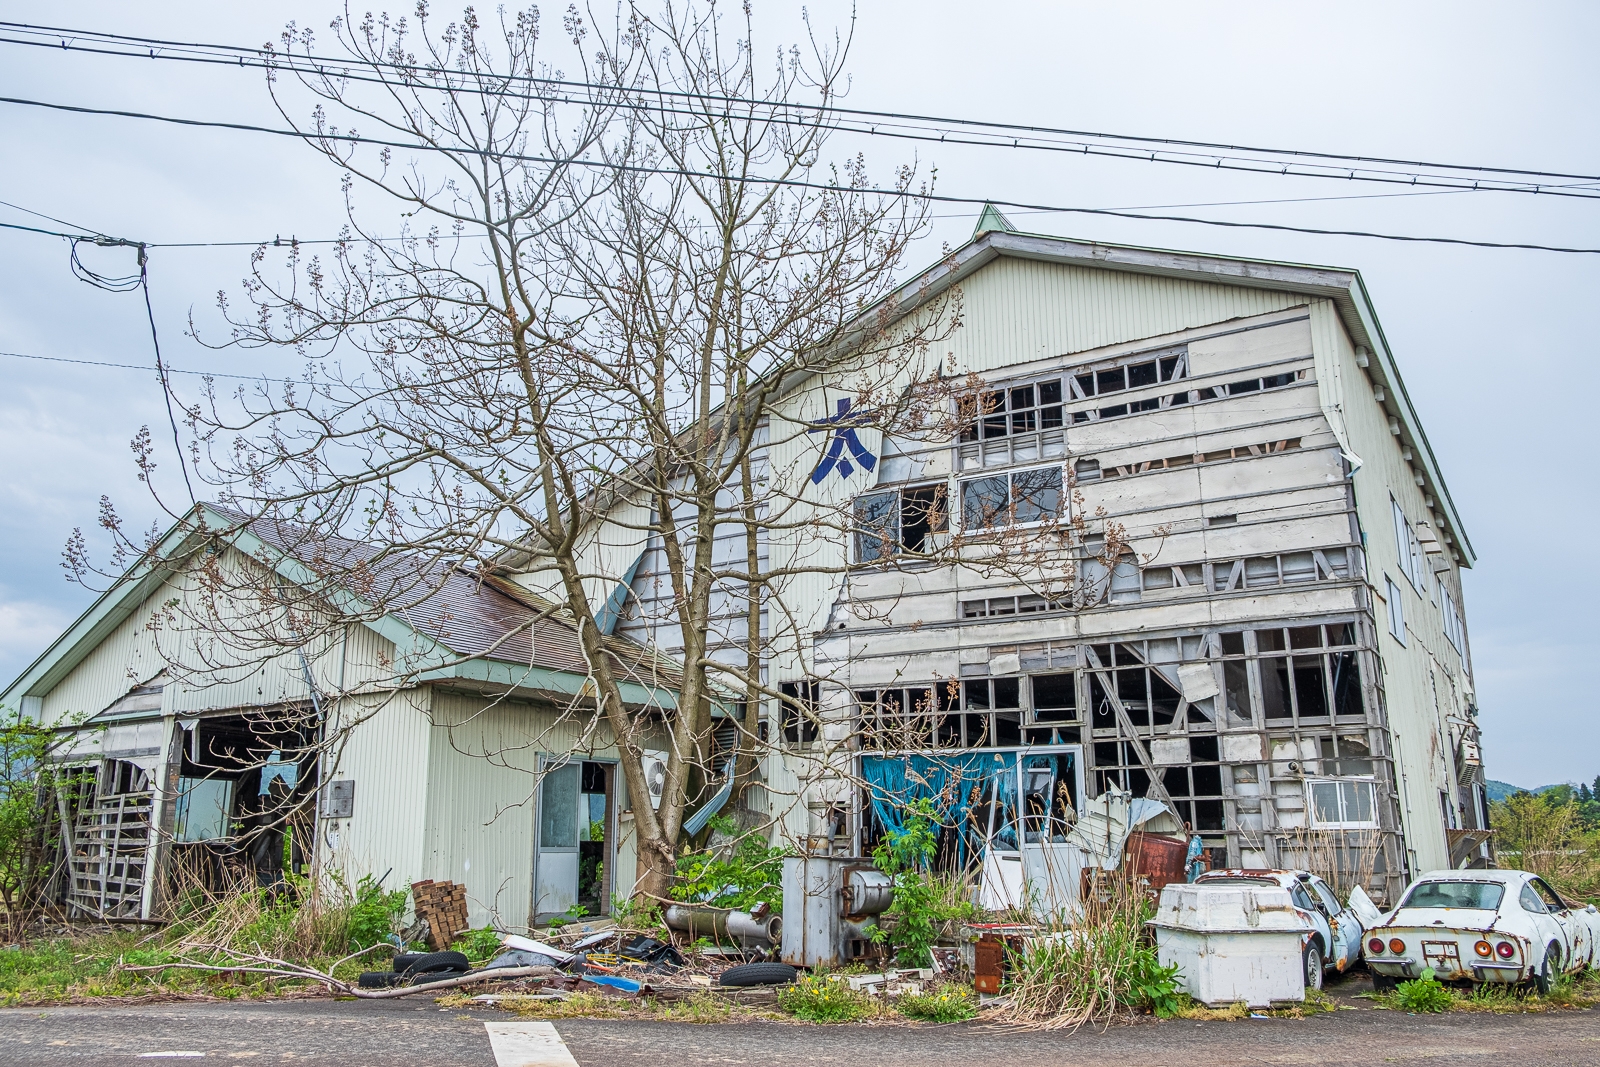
x=943 y=1004
x=478 y=945
x=702 y=1007
x=740 y=876
x=1096 y=966
x=1423 y=994
x=572 y=1006
x=1188 y=1008
x=817 y=998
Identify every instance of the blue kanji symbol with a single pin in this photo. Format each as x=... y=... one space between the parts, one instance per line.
x=843 y=427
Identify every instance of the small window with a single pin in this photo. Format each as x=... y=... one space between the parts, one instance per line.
x=1530 y=901
x=1397 y=610
x=1018 y=410
x=888 y=524
x=1339 y=803
x=801 y=724
x=1017 y=498
x=1222 y=520
x=1055 y=697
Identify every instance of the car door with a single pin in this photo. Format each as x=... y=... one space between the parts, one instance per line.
x=1346 y=928
x=1307 y=902
x=1578 y=943
x=1546 y=923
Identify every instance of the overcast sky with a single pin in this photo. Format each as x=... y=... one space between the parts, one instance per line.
x=1496 y=347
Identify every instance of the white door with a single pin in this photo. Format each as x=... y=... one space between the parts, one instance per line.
x=556 y=852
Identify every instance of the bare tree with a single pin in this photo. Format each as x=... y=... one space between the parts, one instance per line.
x=609 y=280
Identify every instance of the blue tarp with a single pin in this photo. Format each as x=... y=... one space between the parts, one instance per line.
x=955 y=782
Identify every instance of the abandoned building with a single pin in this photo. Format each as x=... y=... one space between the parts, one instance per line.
x=208 y=778
x=1241 y=595
x=1275 y=641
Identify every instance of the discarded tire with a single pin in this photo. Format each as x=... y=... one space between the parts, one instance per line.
x=378 y=979
x=430 y=962
x=750 y=974
x=426 y=977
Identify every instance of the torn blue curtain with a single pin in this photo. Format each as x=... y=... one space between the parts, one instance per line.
x=843 y=426
x=956 y=782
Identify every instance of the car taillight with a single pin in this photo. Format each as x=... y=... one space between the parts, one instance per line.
x=1506 y=950
x=1375 y=946
x=1482 y=948
x=1396 y=945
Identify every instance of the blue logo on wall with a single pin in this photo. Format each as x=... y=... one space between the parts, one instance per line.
x=843 y=427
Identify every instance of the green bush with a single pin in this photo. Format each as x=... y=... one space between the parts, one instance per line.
x=373 y=914
x=750 y=873
x=478 y=945
x=922 y=900
x=27 y=841
x=818 y=999
x=1423 y=994
x=943 y=1004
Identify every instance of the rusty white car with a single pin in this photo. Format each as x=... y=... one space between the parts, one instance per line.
x=1333 y=941
x=1482 y=926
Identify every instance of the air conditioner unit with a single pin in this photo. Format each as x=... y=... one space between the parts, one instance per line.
x=655 y=774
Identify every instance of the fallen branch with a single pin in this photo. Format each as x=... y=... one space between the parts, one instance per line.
x=268 y=965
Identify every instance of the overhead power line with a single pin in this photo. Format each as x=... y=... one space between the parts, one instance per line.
x=794 y=183
x=895 y=125
x=157 y=371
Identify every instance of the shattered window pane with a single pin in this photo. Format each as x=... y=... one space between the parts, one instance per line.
x=984 y=503
x=1275 y=688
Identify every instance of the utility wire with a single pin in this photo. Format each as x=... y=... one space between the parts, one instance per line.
x=340 y=68
x=137 y=366
x=325 y=138
x=780 y=114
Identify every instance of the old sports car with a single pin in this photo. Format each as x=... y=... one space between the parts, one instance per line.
x=1482 y=926
x=1334 y=942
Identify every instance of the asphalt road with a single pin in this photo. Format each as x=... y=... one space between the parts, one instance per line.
x=396 y=1033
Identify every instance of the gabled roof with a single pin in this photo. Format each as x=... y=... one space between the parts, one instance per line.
x=1340 y=285
x=436 y=615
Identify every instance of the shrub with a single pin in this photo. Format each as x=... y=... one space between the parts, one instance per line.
x=1423 y=994
x=740 y=877
x=481 y=944
x=27 y=841
x=944 y=1004
x=922 y=900
x=1098 y=965
x=818 y=999
x=373 y=914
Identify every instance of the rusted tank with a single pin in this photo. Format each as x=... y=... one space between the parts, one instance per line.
x=1157 y=858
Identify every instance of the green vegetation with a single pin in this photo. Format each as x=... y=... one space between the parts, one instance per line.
x=1555 y=834
x=1423 y=994
x=1099 y=965
x=942 y=1004
x=289 y=937
x=923 y=901
x=817 y=998
x=479 y=946
x=27 y=841
x=740 y=876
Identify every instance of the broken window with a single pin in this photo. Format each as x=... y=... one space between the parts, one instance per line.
x=1145 y=692
x=1083 y=382
x=1055 y=697
x=1408 y=550
x=887 y=524
x=1015 y=498
x=1310 y=683
x=799 y=705
x=1016 y=410
x=1342 y=803
x=908 y=718
x=1024 y=604
x=1102 y=469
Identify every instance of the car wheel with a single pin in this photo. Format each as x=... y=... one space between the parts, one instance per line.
x=1546 y=978
x=1313 y=962
x=1384 y=983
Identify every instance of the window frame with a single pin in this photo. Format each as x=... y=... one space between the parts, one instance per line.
x=805 y=701
x=1009 y=476
x=1395 y=603
x=1344 y=822
x=940 y=511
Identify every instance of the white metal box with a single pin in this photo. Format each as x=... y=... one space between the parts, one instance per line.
x=1233 y=943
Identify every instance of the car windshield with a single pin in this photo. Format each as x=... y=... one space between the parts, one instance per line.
x=1482 y=895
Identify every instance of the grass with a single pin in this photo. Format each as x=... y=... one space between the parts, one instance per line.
x=942 y=1004
x=1569 y=991
x=816 y=998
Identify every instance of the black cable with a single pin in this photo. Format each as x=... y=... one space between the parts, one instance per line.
x=161 y=371
x=238 y=56
x=1276 y=168
x=137 y=366
x=793 y=183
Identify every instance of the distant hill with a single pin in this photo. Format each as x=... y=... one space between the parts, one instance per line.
x=1501 y=790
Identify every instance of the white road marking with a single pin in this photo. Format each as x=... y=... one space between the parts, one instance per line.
x=528 y=1045
x=170 y=1055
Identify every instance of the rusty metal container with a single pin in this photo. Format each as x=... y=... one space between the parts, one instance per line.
x=1157 y=858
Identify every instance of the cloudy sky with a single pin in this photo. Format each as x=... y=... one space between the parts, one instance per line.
x=1496 y=346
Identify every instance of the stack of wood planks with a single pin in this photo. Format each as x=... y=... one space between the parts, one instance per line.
x=444 y=906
